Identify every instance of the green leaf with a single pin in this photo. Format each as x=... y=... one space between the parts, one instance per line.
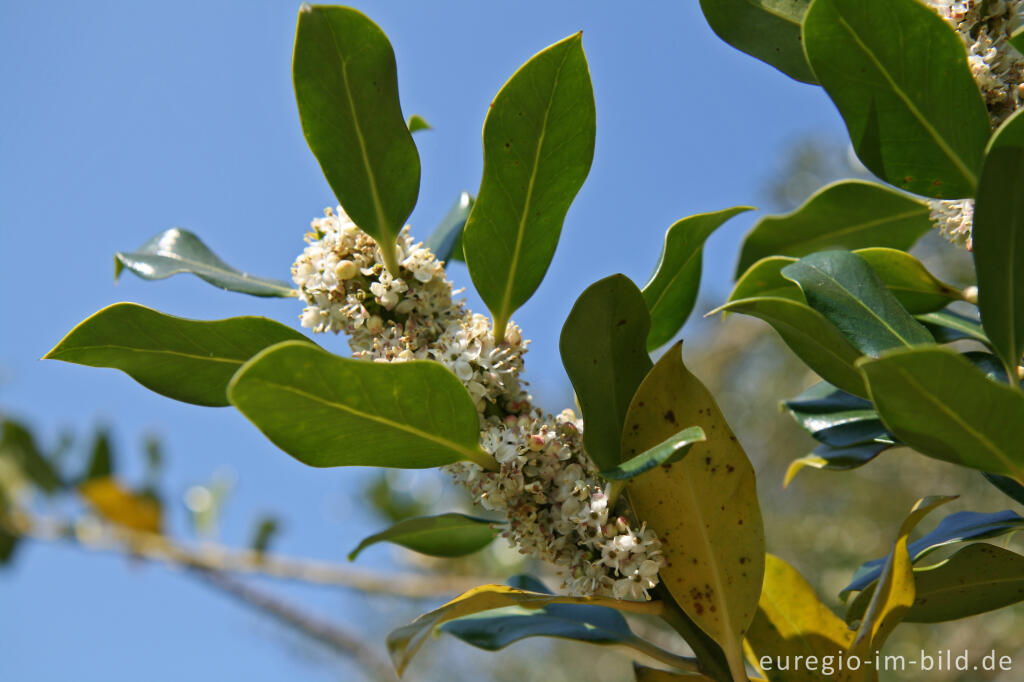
x=404 y=642
x=664 y=453
x=672 y=289
x=764 y=279
x=604 y=353
x=976 y=579
x=947 y=326
x=998 y=237
x=446 y=239
x=18 y=445
x=766 y=29
x=445 y=535
x=895 y=594
x=847 y=291
x=917 y=290
x=813 y=338
x=850 y=214
x=416 y=123
x=175 y=251
x=837 y=458
x=791 y=621
x=835 y=417
x=494 y=630
x=188 y=360
x=1010 y=133
x=703 y=507
x=1013 y=489
x=958 y=527
x=899 y=76
x=346 y=87
x=8 y=543
x=538 y=145
x=265 y=532
x=329 y=411
x=101 y=458
x=937 y=402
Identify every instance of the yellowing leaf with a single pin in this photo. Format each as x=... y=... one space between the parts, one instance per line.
x=791 y=621
x=704 y=507
x=404 y=642
x=122 y=507
x=896 y=591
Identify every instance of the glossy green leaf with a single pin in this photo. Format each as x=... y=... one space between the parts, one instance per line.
x=346 y=87
x=416 y=123
x=18 y=446
x=850 y=214
x=791 y=621
x=188 y=360
x=328 y=411
x=1013 y=489
x=672 y=289
x=835 y=417
x=497 y=629
x=947 y=326
x=446 y=239
x=813 y=338
x=895 y=593
x=958 y=527
x=445 y=535
x=976 y=579
x=998 y=237
x=603 y=347
x=404 y=642
x=538 y=145
x=847 y=291
x=764 y=279
x=1010 y=133
x=766 y=29
x=837 y=458
x=899 y=77
x=937 y=402
x=175 y=251
x=917 y=290
x=703 y=507
x=664 y=453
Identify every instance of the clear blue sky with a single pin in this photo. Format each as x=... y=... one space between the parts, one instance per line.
x=121 y=119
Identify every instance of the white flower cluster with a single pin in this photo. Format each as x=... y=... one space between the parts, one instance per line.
x=985 y=27
x=546 y=485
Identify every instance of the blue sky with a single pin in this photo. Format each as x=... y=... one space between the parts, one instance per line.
x=122 y=119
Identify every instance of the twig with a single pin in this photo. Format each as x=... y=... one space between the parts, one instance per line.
x=101 y=537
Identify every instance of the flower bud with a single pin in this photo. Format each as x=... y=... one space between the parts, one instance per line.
x=345 y=270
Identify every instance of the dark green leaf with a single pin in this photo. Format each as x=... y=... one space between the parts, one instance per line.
x=101 y=457
x=764 y=278
x=843 y=287
x=947 y=326
x=937 y=402
x=18 y=445
x=417 y=123
x=977 y=579
x=1006 y=484
x=1009 y=134
x=766 y=29
x=446 y=239
x=845 y=215
x=264 y=534
x=842 y=458
x=917 y=290
x=177 y=250
x=327 y=411
x=8 y=543
x=835 y=417
x=958 y=527
x=666 y=452
x=672 y=289
x=346 y=87
x=188 y=360
x=446 y=535
x=538 y=145
x=813 y=338
x=998 y=237
x=604 y=353
x=899 y=77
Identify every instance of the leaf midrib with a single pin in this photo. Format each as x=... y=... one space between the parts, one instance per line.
x=506 y=299
x=971 y=178
x=855 y=227
x=195 y=267
x=55 y=354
